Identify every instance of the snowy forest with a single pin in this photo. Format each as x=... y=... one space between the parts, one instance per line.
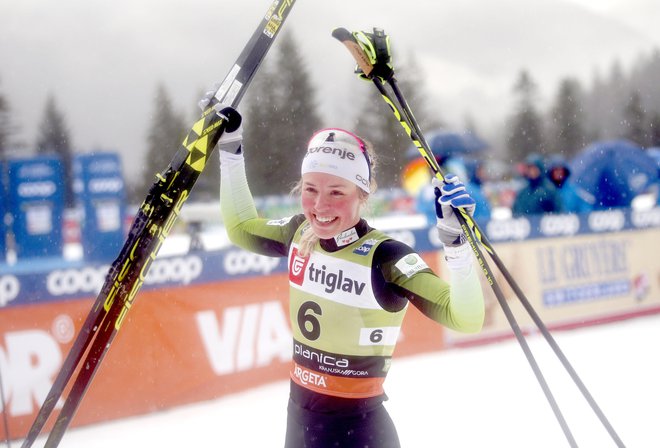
x=282 y=111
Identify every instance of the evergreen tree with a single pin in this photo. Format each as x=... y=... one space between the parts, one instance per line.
x=283 y=116
x=260 y=125
x=567 y=119
x=376 y=123
x=5 y=127
x=654 y=130
x=525 y=135
x=166 y=133
x=634 y=120
x=54 y=139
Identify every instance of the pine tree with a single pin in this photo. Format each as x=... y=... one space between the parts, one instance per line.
x=259 y=127
x=376 y=123
x=525 y=135
x=283 y=116
x=567 y=119
x=54 y=139
x=5 y=127
x=634 y=120
x=654 y=130
x=166 y=134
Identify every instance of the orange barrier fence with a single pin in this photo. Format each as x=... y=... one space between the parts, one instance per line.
x=179 y=345
x=210 y=324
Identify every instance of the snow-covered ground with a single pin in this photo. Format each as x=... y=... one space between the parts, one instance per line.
x=475 y=397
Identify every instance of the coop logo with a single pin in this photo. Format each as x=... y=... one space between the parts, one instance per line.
x=75 y=281
x=559 y=225
x=9 y=289
x=108 y=185
x=647 y=218
x=104 y=166
x=36 y=189
x=608 y=221
x=366 y=247
x=179 y=269
x=511 y=229
x=243 y=262
x=297 y=266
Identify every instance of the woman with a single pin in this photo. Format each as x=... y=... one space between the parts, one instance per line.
x=349 y=285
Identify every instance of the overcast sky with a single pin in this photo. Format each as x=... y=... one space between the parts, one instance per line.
x=102 y=59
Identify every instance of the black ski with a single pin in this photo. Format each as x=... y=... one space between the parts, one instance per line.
x=150 y=228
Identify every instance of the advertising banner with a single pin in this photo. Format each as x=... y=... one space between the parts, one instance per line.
x=179 y=345
x=100 y=196
x=206 y=324
x=575 y=281
x=36 y=203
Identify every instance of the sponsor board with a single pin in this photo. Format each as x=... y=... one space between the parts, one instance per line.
x=186 y=344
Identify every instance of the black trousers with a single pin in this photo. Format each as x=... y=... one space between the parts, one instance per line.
x=369 y=428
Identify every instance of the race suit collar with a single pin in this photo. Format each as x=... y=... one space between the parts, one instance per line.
x=346 y=237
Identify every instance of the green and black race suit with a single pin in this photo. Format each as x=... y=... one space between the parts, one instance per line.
x=349 y=296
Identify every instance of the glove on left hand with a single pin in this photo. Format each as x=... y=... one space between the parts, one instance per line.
x=452 y=194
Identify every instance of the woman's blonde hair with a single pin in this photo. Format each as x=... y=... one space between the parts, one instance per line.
x=309 y=239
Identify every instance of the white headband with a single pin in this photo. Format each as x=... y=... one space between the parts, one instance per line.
x=340 y=153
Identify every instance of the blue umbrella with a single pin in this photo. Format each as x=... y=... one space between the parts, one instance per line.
x=444 y=143
x=613 y=172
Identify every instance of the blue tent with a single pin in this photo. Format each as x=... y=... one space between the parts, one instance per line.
x=613 y=172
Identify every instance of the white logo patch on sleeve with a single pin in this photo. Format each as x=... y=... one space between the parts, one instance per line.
x=279 y=222
x=411 y=264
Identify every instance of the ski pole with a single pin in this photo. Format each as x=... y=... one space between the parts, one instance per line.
x=521 y=295
x=371 y=53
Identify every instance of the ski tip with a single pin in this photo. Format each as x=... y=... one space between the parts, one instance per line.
x=342 y=34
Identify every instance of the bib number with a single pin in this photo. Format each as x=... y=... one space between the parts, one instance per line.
x=308 y=321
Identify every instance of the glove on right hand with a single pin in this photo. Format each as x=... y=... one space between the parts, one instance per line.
x=452 y=194
x=232 y=137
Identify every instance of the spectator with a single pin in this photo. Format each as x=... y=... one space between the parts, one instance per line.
x=573 y=199
x=539 y=195
x=474 y=184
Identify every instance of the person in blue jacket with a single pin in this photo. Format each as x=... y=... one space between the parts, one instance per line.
x=474 y=184
x=539 y=195
x=573 y=199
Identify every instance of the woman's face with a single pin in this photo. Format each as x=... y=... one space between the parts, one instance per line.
x=331 y=204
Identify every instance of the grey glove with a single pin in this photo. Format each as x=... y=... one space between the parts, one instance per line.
x=232 y=137
x=449 y=195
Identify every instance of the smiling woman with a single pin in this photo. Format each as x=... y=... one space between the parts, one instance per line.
x=349 y=284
